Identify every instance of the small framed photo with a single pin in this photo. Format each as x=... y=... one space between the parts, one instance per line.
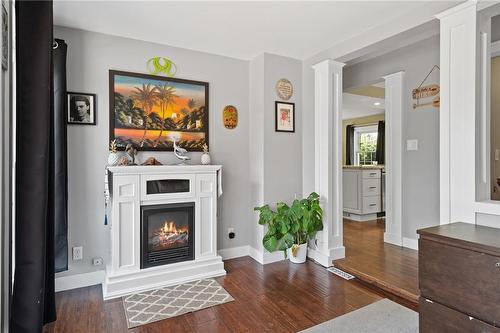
x=81 y=108
x=285 y=117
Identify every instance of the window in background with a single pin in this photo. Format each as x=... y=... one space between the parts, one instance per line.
x=365 y=145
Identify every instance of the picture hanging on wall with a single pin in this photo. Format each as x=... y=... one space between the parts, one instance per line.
x=81 y=108
x=285 y=116
x=150 y=112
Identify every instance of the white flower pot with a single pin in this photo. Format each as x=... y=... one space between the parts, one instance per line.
x=300 y=256
x=205 y=159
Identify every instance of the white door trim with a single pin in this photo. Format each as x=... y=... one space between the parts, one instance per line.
x=394 y=96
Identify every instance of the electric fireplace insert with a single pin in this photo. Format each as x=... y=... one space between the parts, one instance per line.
x=167 y=234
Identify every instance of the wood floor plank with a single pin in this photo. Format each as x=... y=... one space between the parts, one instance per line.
x=386 y=266
x=278 y=297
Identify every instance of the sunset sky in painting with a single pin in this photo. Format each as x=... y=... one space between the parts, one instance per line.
x=125 y=86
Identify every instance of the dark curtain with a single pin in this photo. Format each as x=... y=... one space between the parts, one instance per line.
x=59 y=177
x=380 y=153
x=349 y=145
x=33 y=299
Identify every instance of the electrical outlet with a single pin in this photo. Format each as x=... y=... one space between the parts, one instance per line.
x=230 y=233
x=77 y=253
x=97 y=261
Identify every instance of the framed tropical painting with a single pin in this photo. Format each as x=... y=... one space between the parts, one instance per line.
x=151 y=112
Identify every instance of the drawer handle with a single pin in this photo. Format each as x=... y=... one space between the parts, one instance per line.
x=371 y=205
x=373 y=187
x=373 y=173
x=497 y=265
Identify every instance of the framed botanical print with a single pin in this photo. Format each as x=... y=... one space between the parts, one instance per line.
x=151 y=112
x=81 y=108
x=285 y=117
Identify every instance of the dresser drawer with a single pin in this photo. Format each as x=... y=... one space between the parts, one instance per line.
x=371 y=174
x=371 y=204
x=465 y=280
x=437 y=318
x=371 y=187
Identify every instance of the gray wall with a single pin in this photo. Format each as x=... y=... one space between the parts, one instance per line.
x=275 y=157
x=420 y=168
x=90 y=56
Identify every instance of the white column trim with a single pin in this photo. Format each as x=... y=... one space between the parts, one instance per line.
x=328 y=159
x=394 y=92
x=457 y=119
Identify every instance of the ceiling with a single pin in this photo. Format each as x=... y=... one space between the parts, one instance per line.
x=356 y=106
x=297 y=29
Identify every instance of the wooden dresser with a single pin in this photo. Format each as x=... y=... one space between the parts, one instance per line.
x=459 y=278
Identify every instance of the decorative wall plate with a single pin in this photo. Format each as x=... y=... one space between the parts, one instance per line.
x=230 y=117
x=284 y=89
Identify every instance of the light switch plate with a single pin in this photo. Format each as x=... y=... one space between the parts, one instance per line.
x=411 y=144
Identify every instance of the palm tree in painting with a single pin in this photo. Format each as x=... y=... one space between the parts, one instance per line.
x=146 y=97
x=191 y=103
x=165 y=96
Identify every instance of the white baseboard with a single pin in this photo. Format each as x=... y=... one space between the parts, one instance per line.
x=234 y=252
x=256 y=255
x=393 y=239
x=264 y=257
x=79 y=280
x=326 y=260
x=410 y=243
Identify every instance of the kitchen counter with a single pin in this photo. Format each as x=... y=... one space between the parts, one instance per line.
x=364 y=167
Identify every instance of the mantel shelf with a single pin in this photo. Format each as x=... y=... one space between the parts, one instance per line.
x=143 y=169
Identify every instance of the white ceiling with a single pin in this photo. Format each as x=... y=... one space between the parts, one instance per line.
x=297 y=29
x=356 y=106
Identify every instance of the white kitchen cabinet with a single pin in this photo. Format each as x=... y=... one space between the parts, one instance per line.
x=362 y=193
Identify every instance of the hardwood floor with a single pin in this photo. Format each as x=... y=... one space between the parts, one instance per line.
x=278 y=297
x=389 y=267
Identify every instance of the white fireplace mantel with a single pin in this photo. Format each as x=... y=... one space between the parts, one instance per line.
x=128 y=193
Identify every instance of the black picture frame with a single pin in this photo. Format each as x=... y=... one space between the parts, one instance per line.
x=70 y=116
x=196 y=147
x=277 y=110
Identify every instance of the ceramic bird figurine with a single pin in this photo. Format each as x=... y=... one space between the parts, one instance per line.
x=180 y=153
x=131 y=152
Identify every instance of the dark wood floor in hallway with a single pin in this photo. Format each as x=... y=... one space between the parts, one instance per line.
x=392 y=268
x=278 y=297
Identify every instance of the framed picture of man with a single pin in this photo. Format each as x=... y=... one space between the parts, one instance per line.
x=81 y=108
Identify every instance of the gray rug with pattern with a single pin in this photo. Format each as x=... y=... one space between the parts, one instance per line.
x=383 y=316
x=158 y=304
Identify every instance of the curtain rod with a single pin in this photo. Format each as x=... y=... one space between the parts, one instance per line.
x=364 y=125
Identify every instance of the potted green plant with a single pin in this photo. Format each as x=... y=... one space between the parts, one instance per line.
x=289 y=228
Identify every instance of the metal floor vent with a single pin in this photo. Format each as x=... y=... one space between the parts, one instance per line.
x=341 y=273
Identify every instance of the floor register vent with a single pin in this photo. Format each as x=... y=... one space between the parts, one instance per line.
x=341 y=273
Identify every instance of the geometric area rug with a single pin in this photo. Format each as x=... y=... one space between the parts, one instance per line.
x=158 y=304
x=383 y=316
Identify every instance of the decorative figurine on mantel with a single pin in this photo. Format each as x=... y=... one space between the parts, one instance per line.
x=132 y=153
x=151 y=161
x=205 y=157
x=180 y=153
x=114 y=156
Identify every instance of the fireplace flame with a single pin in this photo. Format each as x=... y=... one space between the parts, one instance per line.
x=169 y=227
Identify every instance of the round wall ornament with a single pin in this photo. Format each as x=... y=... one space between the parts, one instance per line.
x=230 y=117
x=284 y=89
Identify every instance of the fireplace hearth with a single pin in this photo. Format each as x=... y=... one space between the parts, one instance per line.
x=167 y=234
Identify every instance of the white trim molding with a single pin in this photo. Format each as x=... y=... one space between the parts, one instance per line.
x=75 y=281
x=457 y=114
x=234 y=252
x=394 y=92
x=328 y=159
x=410 y=243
